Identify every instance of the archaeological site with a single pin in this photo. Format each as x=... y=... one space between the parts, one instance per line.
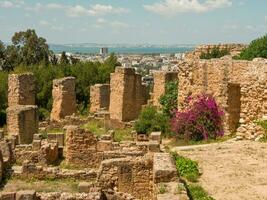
x=60 y=158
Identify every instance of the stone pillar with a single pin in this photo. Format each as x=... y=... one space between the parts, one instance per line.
x=99 y=97
x=21 y=89
x=64 y=98
x=22 y=122
x=126 y=95
x=160 y=80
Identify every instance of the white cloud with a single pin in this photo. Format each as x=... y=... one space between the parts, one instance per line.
x=79 y=10
x=101 y=21
x=7 y=4
x=119 y=25
x=50 y=25
x=172 y=7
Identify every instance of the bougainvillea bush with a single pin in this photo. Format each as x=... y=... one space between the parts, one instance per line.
x=202 y=119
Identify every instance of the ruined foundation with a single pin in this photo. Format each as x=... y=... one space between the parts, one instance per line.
x=64 y=98
x=127 y=94
x=22 y=122
x=99 y=97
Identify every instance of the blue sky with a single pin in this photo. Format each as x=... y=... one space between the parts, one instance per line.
x=136 y=21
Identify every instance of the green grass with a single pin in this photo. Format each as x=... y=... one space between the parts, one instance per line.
x=187 y=168
x=162 y=188
x=95 y=127
x=47 y=185
x=123 y=134
x=64 y=165
x=263 y=124
x=198 y=193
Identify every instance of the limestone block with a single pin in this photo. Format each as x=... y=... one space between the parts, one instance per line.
x=57 y=137
x=8 y=196
x=164 y=169
x=22 y=121
x=6 y=149
x=156 y=136
x=36 y=145
x=64 y=98
x=104 y=145
x=26 y=195
x=84 y=187
x=21 y=89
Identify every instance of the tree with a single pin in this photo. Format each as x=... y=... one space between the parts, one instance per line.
x=215 y=52
x=64 y=59
x=256 y=49
x=31 y=49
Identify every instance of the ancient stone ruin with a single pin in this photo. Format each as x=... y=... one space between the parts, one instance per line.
x=64 y=98
x=127 y=94
x=239 y=87
x=99 y=97
x=161 y=78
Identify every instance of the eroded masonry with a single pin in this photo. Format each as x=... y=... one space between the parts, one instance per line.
x=106 y=169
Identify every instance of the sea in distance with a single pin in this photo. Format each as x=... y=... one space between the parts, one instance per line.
x=121 y=49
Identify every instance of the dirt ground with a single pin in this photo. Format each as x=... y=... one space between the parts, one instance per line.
x=232 y=170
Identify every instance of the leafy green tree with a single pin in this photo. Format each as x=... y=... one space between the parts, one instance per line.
x=215 y=52
x=31 y=49
x=256 y=49
x=169 y=99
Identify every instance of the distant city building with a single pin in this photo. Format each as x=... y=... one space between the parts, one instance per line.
x=103 y=51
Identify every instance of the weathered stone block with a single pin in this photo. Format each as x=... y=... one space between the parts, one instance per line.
x=154 y=146
x=99 y=97
x=22 y=121
x=164 y=169
x=1 y=166
x=126 y=94
x=104 y=145
x=6 y=149
x=26 y=195
x=156 y=136
x=84 y=187
x=36 y=145
x=57 y=137
x=21 y=89
x=64 y=98
x=8 y=196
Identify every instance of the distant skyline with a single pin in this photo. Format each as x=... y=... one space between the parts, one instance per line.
x=136 y=21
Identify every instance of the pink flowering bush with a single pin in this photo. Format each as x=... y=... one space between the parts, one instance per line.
x=202 y=119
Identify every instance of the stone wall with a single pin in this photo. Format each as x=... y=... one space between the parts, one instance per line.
x=22 y=122
x=234 y=49
x=133 y=176
x=127 y=94
x=64 y=98
x=21 y=89
x=238 y=86
x=99 y=97
x=81 y=148
x=160 y=80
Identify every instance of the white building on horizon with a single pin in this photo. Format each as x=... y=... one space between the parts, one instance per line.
x=103 y=51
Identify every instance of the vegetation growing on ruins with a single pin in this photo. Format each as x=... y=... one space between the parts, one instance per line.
x=202 y=119
x=215 y=52
x=169 y=99
x=187 y=168
x=256 y=49
x=151 y=120
x=196 y=192
x=263 y=124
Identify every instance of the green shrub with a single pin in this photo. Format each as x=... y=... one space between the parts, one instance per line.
x=169 y=99
x=215 y=52
x=256 y=49
x=198 y=193
x=2 y=118
x=150 y=120
x=43 y=114
x=187 y=168
x=263 y=124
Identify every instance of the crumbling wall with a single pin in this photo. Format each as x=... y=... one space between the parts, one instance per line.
x=21 y=89
x=127 y=94
x=218 y=76
x=22 y=122
x=234 y=49
x=160 y=80
x=99 y=97
x=64 y=98
x=81 y=147
x=130 y=175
